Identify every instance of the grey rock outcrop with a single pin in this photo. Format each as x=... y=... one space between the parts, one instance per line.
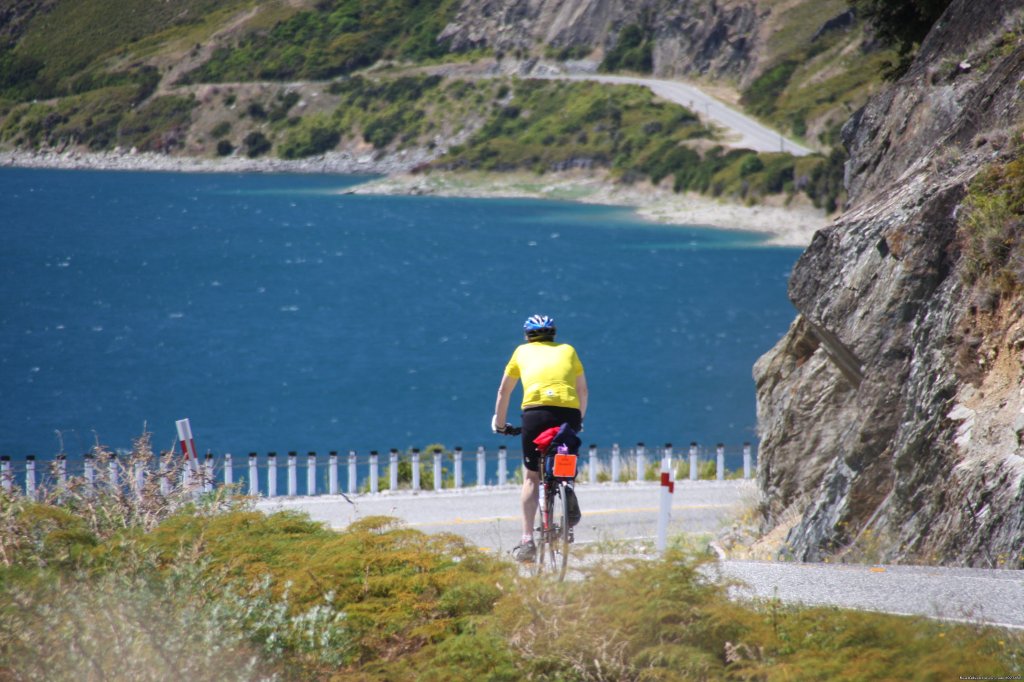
x=890 y=413
x=710 y=37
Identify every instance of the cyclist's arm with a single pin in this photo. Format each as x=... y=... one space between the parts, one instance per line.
x=504 y=396
x=582 y=393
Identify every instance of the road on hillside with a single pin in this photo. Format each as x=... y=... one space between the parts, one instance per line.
x=746 y=131
x=489 y=518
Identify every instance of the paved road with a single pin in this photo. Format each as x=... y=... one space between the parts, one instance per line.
x=488 y=517
x=995 y=597
x=746 y=132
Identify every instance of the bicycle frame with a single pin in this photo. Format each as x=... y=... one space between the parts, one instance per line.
x=554 y=533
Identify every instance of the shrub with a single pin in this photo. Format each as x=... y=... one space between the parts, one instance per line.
x=225 y=148
x=991 y=225
x=312 y=139
x=633 y=51
x=256 y=144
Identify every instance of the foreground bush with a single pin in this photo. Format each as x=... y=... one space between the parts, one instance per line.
x=115 y=586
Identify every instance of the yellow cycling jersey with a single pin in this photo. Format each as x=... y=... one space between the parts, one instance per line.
x=548 y=371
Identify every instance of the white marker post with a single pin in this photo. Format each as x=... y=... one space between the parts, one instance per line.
x=271 y=474
x=332 y=473
x=415 y=468
x=458 y=467
x=720 y=463
x=393 y=470
x=293 y=473
x=668 y=487
x=616 y=463
x=641 y=461
x=310 y=474
x=481 y=466
x=353 y=473
x=374 y=471
x=89 y=474
x=140 y=478
x=694 y=474
x=592 y=464
x=188 y=444
x=30 y=477
x=165 y=482
x=254 y=474
x=229 y=470
x=746 y=462
x=502 y=465
x=437 y=469
x=208 y=473
x=6 y=479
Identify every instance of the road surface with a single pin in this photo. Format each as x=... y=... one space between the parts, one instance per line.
x=489 y=518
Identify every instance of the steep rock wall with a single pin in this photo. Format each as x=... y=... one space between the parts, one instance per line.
x=884 y=432
x=711 y=37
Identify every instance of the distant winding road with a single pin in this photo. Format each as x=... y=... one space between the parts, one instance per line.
x=745 y=131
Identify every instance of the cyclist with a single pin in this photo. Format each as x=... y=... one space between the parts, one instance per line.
x=554 y=393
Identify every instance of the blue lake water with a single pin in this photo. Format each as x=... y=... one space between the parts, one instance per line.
x=277 y=313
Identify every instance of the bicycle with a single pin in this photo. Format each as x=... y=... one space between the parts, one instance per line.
x=554 y=532
x=558 y=472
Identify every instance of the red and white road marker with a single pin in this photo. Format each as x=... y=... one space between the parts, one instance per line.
x=668 y=487
x=188 y=445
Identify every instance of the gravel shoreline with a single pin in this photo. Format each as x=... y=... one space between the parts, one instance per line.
x=341 y=163
x=792 y=226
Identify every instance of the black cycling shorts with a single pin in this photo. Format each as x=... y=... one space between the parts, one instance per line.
x=536 y=420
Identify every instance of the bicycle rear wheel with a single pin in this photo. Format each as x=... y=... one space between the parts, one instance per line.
x=564 y=532
x=550 y=557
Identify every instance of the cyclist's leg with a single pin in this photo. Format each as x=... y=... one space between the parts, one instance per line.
x=531 y=488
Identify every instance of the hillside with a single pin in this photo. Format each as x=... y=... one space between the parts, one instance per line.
x=294 y=79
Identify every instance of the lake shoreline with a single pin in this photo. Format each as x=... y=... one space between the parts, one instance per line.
x=790 y=225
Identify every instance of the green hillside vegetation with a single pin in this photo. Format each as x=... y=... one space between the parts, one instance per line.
x=990 y=231
x=550 y=125
x=79 y=45
x=339 y=37
x=100 y=119
x=816 y=78
x=633 y=51
x=110 y=584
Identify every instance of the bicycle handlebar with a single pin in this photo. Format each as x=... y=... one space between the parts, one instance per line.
x=509 y=430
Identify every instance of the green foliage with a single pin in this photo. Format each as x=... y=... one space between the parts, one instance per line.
x=159 y=125
x=555 y=125
x=633 y=50
x=388 y=112
x=256 y=144
x=901 y=24
x=398 y=588
x=333 y=39
x=991 y=225
x=225 y=148
x=102 y=119
x=567 y=52
x=221 y=129
x=71 y=40
x=761 y=95
x=217 y=592
x=314 y=135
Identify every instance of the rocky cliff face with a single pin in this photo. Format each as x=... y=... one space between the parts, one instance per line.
x=711 y=37
x=892 y=413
